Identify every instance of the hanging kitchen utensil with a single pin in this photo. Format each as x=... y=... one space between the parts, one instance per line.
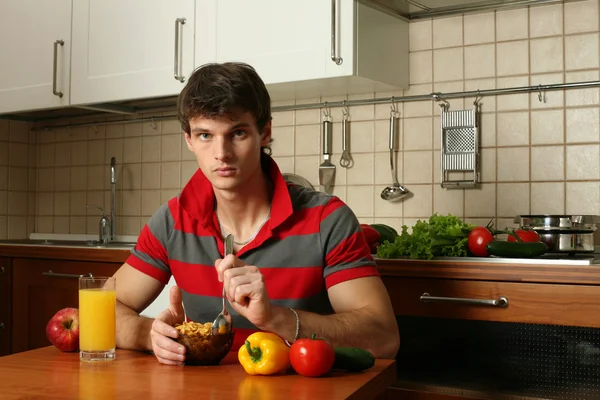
x=346 y=160
x=460 y=146
x=395 y=191
x=327 y=169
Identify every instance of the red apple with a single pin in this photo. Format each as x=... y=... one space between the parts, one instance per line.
x=63 y=329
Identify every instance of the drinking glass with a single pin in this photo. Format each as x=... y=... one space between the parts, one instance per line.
x=97 y=318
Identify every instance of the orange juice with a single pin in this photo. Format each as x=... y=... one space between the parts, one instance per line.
x=97 y=320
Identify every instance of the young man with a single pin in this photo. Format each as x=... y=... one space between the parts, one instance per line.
x=301 y=263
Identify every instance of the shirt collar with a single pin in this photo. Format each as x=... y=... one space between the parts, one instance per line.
x=198 y=198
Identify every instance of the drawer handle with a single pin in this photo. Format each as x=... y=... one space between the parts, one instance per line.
x=60 y=275
x=1 y=325
x=1 y=270
x=501 y=302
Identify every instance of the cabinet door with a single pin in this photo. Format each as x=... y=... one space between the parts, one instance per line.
x=40 y=289
x=127 y=49
x=286 y=41
x=29 y=30
x=5 y=322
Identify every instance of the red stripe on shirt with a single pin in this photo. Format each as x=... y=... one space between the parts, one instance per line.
x=147 y=243
x=352 y=248
x=281 y=283
x=332 y=205
x=349 y=274
x=148 y=269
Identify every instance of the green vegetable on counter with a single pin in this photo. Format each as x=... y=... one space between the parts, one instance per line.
x=441 y=236
x=500 y=248
x=353 y=359
x=386 y=232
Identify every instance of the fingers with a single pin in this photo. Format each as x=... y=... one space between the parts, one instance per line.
x=229 y=262
x=241 y=283
x=175 y=304
x=166 y=350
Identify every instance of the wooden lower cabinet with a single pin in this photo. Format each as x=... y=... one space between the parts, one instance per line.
x=41 y=287
x=5 y=305
x=508 y=339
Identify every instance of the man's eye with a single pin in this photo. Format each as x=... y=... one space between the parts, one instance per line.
x=239 y=132
x=204 y=136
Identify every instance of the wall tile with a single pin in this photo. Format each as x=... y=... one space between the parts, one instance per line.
x=420 y=67
x=151 y=176
x=447 y=32
x=581 y=16
x=448 y=64
x=512 y=24
x=480 y=61
x=446 y=201
x=513 y=164
x=170 y=175
x=421 y=204
x=583 y=198
x=546 y=20
x=547 y=163
x=547 y=127
x=546 y=55
x=583 y=162
x=582 y=97
x=151 y=146
x=360 y=199
x=513 y=129
x=417 y=167
x=479 y=28
x=417 y=134
x=512 y=58
x=582 y=125
x=512 y=199
x=308 y=140
x=581 y=51
x=481 y=201
x=548 y=198
x=420 y=35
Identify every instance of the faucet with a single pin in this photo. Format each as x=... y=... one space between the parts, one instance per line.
x=104 y=226
x=113 y=191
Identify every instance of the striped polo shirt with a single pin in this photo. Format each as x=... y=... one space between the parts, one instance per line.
x=311 y=242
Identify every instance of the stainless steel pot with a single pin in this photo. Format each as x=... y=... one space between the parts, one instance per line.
x=562 y=233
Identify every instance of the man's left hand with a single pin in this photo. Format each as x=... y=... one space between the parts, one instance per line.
x=245 y=289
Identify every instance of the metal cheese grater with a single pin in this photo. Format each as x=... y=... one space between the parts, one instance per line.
x=460 y=146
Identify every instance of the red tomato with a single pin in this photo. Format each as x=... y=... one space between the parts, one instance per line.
x=478 y=239
x=312 y=357
x=525 y=235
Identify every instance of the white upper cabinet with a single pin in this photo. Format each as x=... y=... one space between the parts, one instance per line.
x=307 y=47
x=134 y=49
x=35 y=53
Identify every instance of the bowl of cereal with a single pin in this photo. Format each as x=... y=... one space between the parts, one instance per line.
x=203 y=348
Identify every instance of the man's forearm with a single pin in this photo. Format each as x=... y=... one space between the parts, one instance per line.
x=358 y=328
x=133 y=330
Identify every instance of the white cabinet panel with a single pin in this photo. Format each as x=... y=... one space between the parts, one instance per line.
x=127 y=49
x=291 y=43
x=28 y=30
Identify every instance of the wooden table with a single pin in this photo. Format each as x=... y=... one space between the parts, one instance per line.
x=47 y=373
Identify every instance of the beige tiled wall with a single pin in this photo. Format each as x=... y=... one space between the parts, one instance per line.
x=536 y=157
x=17 y=180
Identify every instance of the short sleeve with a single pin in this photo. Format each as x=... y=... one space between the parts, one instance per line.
x=347 y=254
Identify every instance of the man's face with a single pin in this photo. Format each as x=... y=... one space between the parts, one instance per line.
x=227 y=148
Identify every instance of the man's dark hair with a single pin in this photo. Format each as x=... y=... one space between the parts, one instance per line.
x=224 y=89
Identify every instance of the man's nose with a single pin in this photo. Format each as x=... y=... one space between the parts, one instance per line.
x=222 y=148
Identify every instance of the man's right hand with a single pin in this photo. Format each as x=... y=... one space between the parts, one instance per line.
x=166 y=350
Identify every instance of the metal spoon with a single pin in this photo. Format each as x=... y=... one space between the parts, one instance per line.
x=395 y=191
x=223 y=320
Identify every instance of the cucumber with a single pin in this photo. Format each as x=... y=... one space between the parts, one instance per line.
x=501 y=248
x=386 y=232
x=353 y=359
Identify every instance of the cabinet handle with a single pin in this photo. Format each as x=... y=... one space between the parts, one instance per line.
x=500 y=302
x=2 y=325
x=55 y=68
x=178 y=53
x=334 y=55
x=61 y=275
x=1 y=270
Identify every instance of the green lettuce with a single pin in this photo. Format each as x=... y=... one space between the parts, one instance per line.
x=441 y=236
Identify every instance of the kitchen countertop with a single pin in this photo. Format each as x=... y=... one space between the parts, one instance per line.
x=538 y=270
x=47 y=373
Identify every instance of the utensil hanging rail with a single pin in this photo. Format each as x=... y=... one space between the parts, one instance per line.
x=540 y=89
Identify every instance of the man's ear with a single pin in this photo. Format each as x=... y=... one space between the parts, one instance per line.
x=188 y=138
x=266 y=135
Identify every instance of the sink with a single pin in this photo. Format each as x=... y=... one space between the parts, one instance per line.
x=69 y=243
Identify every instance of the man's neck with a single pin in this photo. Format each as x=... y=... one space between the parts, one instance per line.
x=242 y=213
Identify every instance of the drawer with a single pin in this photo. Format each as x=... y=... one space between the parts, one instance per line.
x=555 y=304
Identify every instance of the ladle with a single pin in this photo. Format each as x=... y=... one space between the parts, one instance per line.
x=222 y=323
x=395 y=191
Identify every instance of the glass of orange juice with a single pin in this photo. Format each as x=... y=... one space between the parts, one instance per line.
x=97 y=318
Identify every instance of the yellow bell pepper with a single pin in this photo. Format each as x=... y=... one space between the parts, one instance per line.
x=264 y=353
